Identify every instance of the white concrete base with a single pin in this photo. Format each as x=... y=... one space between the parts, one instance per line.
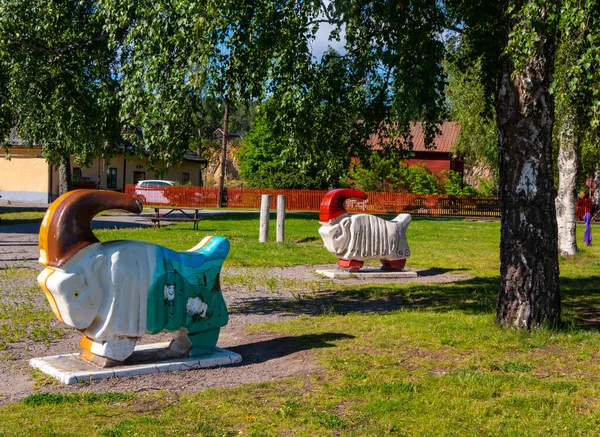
x=367 y=274
x=150 y=358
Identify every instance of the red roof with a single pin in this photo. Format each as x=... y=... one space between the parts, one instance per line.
x=444 y=142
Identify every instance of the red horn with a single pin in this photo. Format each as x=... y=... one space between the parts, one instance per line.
x=332 y=205
x=67 y=225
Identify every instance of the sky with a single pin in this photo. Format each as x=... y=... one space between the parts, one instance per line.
x=321 y=42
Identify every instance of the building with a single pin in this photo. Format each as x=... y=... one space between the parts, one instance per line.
x=440 y=155
x=27 y=177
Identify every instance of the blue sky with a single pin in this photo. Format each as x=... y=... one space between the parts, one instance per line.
x=321 y=42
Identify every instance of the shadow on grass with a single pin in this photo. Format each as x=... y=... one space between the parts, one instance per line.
x=20 y=226
x=582 y=296
x=106 y=224
x=266 y=350
x=433 y=271
x=472 y=296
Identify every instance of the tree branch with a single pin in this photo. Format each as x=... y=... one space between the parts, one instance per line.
x=96 y=40
x=324 y=20
x=61 y=50
x=455 y=29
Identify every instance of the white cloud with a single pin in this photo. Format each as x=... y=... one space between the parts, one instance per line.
x=322 y=42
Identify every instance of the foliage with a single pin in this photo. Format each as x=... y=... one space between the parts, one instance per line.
x=57 y=76
x=385 y=173
x=453 y=184
x=478 y=139
x=266 y=162
x=388 y=173
x=576 y=79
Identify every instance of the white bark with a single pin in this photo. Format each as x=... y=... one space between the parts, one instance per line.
x=529 y=294
x=566 y=197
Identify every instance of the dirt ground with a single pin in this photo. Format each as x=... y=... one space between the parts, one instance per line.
x=266 y=356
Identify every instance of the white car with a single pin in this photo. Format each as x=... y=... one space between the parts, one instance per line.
x=153 y=191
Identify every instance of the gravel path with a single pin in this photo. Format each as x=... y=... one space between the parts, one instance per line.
x=253 y=295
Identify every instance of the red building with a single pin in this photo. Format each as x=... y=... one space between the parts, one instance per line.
x=439 y=155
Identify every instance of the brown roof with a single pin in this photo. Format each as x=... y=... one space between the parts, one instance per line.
x=444 y=142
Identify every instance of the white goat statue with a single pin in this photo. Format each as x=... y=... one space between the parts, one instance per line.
x=356 y=238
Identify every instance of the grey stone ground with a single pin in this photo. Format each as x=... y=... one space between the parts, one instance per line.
x=253 y=295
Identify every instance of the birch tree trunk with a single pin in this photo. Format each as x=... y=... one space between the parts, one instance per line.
x=529 y=292
x=568 y=166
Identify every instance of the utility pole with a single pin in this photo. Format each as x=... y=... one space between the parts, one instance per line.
x=223 y=156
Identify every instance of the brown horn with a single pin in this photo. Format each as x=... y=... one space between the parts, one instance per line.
x=332 y=205
x=67 y=225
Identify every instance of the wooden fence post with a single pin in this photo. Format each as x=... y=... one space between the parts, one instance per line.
x=280 y=218
x=265 y=205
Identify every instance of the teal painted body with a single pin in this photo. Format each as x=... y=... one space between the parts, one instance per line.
x=186 y=293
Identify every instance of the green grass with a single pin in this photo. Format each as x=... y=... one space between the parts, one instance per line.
x=437 y=241
x=24 y=314
x=436 y=366
x=13 y=216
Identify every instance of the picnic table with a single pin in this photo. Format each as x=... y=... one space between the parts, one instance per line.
x=165 y=217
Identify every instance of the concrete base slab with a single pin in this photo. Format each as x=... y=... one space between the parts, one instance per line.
x=367 y=274
x=150 y=358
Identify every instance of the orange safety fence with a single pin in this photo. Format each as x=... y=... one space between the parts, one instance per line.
x=426 y=204
x=310 y=200
x=295 y=200
x=583 y=205
x=184 y=196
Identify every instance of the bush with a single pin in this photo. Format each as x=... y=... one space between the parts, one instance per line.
x=391 y=174
x=453 y=184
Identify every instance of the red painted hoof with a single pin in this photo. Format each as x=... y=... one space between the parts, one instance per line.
x=350 y=264
x=395 y=264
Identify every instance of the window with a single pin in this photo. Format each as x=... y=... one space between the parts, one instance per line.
x=111 y=178
x=76 y=174
x=185 y=178
x=138 y=176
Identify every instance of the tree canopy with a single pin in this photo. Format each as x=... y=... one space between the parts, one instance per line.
x=57 y=77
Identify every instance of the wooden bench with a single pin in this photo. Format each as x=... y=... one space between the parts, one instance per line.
x=187 y=217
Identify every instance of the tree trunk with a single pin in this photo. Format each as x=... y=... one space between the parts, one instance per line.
x=568 y=166
x=596 y=204
x=220 y=199
x=529 y=293
x=65 y=181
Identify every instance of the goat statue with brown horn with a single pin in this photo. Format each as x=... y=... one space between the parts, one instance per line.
x=115 y=292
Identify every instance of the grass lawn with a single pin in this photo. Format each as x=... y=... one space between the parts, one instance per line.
x=13 y=216
x=438 y=366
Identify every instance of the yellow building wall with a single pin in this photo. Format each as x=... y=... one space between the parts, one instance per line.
x=136 y=168
x=28 y=178
x=25 y=177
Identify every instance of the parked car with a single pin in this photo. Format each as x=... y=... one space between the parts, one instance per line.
x=153 y=191
x=159 y=192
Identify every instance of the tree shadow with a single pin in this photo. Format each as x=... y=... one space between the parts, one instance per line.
x=107 y=224
x=433 y=271
x=582 y=297
x=20 y=226
x=471 y=296
x=266 y=350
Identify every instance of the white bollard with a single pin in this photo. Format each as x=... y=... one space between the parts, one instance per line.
x=265 y=205
x=280 y=218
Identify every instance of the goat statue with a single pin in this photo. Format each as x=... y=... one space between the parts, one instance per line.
x=114 y=292
x=356 y=238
